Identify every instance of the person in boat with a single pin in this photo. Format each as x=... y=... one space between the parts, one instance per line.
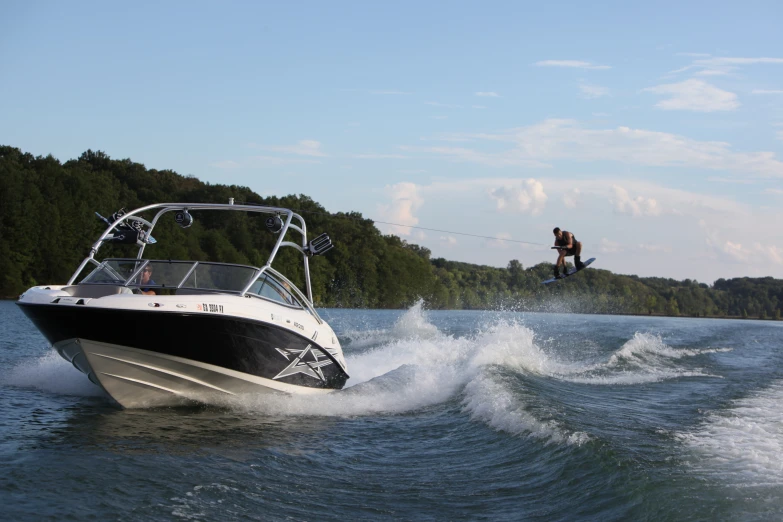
x=567 y=246
x=146 y=279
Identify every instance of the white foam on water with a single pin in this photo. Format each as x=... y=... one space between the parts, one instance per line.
x=743 y=444
x=422 y=366
x=413 y=324
x=51 y=373
x=642 y=359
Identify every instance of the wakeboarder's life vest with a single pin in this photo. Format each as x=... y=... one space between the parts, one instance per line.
x=564 y=240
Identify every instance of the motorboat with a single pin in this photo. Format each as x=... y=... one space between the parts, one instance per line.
x=162 y=332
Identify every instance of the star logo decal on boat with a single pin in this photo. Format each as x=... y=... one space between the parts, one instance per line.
x=308 y=361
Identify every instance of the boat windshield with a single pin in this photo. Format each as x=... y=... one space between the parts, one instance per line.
x=279 y=291
x=140 y=273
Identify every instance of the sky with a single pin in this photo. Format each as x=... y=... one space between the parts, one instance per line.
x=653 y=132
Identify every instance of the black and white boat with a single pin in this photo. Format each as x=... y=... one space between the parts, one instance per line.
x=164 y=332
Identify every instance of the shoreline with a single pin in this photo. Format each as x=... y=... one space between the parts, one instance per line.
x=629 y=314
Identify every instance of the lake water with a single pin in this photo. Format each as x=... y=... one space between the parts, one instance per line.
x=448 y=415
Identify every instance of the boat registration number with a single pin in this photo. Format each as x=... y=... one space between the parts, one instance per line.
x=209 y=307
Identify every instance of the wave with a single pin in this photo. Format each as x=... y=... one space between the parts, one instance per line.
x=742 y=444
x=642 y=359
x=418 y=366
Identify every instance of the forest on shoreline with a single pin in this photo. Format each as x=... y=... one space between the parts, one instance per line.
x=47 y=224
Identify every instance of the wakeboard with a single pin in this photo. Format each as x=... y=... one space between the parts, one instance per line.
x=570 y=272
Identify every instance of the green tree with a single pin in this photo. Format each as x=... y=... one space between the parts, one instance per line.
x=673 y=307
x=650 y=303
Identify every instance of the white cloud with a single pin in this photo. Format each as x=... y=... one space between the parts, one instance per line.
x=529 y=197
x=536 y=145
x=779 y=135
x=302 y=148
x=449 y=241
x=777 y=192
x=489 y=94
x=405 y=200
x=638 y=206
x=609 y=247
x=578 y=64
x=654 y=248
x=592 y=91
x=695 y=95
x=722 y=65
x=571 y=198
x=478 y=107
x=735 y=249
x=767 y=91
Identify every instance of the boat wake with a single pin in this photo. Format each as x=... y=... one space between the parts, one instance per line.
x=417 y=366
x=643 y=359
x=742 y=444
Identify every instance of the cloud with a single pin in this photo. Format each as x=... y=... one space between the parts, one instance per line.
x=578 y=64
x=739 y=252
x=654 y=248
x=539 y=144
x=571 y=198
x=405 y=200
x=637 y=207
x=779 y=135
x=767 y=91
x=609 y=247
x=694 y=95
x=449 y=241
x=592 y=91
x=529 y=197
x=488 y=94
x=723 y=65
x=302 y=148
x=777 y=192
x=478 y=107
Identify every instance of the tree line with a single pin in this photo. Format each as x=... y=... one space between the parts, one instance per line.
x=47 y=225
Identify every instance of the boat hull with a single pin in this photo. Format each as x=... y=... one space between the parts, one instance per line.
x=152 y=358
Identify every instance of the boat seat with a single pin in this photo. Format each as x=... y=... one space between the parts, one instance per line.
x=95 y=291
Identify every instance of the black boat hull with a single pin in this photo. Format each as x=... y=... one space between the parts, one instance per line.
x=169 y=350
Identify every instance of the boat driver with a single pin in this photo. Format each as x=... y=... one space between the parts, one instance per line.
x=146 y=279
